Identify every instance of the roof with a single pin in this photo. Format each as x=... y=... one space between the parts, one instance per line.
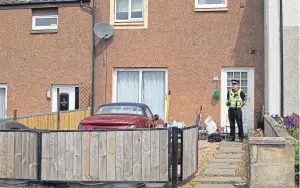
x=141 y=105
x=28 y=2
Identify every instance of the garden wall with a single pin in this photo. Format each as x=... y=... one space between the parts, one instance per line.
x=272 y=157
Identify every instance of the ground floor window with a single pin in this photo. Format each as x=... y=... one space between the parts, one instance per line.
x=148 y=86
x=68 y=97
x=3 y=100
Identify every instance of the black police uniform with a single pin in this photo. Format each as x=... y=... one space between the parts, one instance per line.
x=235 y=114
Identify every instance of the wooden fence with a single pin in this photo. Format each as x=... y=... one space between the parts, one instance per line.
x=18 y=155
x=69 y=120
x=106 y=156
x=131 y=155
x=189 y=152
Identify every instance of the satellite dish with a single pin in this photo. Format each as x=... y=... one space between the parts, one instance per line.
x=104 y=30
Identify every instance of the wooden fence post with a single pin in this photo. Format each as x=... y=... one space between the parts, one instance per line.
x=58 y=110
x=15 y=115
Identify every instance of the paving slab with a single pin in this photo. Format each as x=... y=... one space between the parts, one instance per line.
x=222 y=165
x=230 y=150
x=213 y=179
x=231 y=143
x=231 y=161
x=228 y=156
x=214 y=186
x=219 y=172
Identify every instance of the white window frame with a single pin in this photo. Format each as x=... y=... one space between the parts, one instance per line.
x=197 y=5
x=5 y=87
x=129 y=13
x=34 y=18
x=140 y=70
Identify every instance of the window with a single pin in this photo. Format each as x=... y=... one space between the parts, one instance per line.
x=148 y=86
x=129 y=14
x=129 y=10
x=148 y=112
x=211 y=3
x=3 y=100
x=44 y=19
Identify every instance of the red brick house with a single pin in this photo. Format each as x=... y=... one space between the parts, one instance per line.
x=158 y=46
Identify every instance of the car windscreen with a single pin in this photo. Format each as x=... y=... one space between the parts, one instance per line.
x=117 y=109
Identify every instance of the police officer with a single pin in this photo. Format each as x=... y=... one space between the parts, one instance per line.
x=235 y=101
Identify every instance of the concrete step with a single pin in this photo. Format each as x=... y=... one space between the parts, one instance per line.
x=212 y=179
x=219 y=172
x=228 y=156
x=222 y=165
x=214 y=186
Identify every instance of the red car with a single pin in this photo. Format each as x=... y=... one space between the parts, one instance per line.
x=122 y=116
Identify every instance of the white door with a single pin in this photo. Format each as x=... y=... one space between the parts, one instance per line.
x=69 y=99
x=148 y=86
x=246 y=78
x=3 y=100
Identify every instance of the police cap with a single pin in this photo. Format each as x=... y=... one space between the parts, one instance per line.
x=235 y=81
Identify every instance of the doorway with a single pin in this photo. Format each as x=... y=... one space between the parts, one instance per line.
x=246 y=78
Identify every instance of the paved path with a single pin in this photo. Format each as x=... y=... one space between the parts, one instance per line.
x=221 y=170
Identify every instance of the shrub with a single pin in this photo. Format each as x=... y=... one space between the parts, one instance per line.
x=292 y=124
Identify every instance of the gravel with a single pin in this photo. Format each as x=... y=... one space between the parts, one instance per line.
x=206 y=152
x=242 y=171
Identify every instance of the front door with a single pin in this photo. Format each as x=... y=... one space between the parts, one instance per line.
x=3 y=99
x=146 y=86
x=69 y=97
x=246 y=78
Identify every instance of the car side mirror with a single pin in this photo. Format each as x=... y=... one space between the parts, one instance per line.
x=155 y=117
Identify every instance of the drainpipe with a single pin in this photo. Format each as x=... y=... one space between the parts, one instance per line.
x=93 y=53
x=281 y=58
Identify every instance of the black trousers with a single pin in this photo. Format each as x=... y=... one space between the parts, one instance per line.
x=235 y=114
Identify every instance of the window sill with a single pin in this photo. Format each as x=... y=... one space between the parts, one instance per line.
x=45 y=31
x=129 y=25
x=211 y=9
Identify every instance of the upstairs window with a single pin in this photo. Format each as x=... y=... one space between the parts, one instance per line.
x=129 y=10
x=211 y=3
x=45 y=19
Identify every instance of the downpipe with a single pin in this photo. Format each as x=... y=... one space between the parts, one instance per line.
x=93 y=52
